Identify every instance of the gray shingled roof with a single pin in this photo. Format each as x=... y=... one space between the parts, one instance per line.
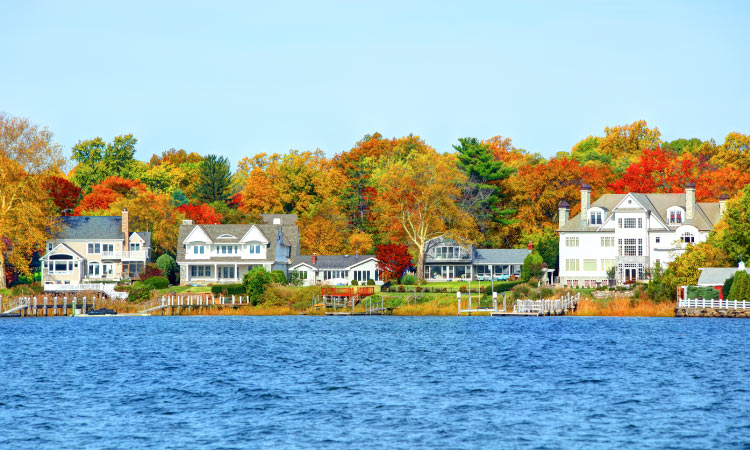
x=716 y=276
x=331 y=261
x=501 y=255
x=290 y=237
x=706 y=214
x=146 y=236
x=91 y=227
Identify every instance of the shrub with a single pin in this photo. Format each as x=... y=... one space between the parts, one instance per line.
x=157 y=282
x=521 y=291
x=727 y=287
x=255 y=282
x=533 y=281
x=278 y=277
x=168 y=267
x=139 y=292
x=401 y=289
x=547 y=292
x=703 y=292
x=408 y=279
x=419 y=289
x=228 y=289
x=463 y=289
x=354 y=283
x=504 y=286
x=532 y=266
x=370 y=282
x=151 y=270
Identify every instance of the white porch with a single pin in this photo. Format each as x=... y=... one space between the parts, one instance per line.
x=205 y=272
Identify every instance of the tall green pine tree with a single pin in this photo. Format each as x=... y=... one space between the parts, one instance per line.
x=215 y=178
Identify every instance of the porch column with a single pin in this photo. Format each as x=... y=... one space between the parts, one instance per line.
x=216 y=272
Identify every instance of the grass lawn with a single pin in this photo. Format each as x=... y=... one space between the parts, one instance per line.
x=184 y=290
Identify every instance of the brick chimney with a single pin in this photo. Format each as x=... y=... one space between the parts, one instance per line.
x=315 y=258
x=563 y=213
x=126 y=228
x=723 y=203
x=690 y=201
x=585 y=203
x=531 y=246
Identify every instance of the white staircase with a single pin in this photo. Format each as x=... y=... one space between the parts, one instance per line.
x=107 y=289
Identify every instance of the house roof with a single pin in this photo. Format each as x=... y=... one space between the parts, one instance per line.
x=331 y=261
x=290 y=237
x=61 y=248
x=500 y=255
x=704 y=218
x=716 y=276
x=91 y=227
x=146 y=236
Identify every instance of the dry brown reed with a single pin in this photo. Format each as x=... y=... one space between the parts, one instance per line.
x=624 y=307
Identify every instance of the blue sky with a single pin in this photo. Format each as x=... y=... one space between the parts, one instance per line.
x=241 y=78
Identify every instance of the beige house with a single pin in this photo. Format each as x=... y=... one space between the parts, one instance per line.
x=91 y=249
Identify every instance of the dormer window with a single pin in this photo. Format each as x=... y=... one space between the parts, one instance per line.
x=595 y=218
x=226 y=236
x=688 y=237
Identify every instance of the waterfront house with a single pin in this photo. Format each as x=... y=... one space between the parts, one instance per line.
x=94 y=249
x=715 y=277
x=630 y=232
x=447 y=260
x=209 y=254
x=335 y=269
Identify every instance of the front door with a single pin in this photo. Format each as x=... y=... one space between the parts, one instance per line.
x=630 y=274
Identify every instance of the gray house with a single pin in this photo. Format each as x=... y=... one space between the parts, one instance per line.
x=447 y=260
x=209 y=254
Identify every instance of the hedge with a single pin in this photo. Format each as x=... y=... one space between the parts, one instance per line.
x=278 y=276
x=230 y=289
x=705 y=292
x=158 y=282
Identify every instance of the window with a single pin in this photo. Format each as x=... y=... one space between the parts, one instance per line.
x=226 y=272
x=197 y=249
x=596 y=218
x=619 y=223
x=629 y=222
x=362 y=275
x=200 y=271
x=257 y=249
x=607 y=264
x=571 y=241
x=49 y=246
x=589 y=264
x=608 y=241
x=675 y=217
x=298 y=274
x=630 y=247
x=252 y=249
x=331 y=274
x=107 y=270
x=135 y=246
x=60 y=264
x=640 y=222
x=571 y=265
x=94 y=269
x=447 y=252
x=688 y=237
x=94 y=248
x=658 y=239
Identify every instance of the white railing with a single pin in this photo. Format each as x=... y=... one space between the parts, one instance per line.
x=106 y=288
x=720 y=304
x=545 y=306
x=132 y=254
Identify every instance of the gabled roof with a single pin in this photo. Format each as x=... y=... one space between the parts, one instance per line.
x=290 y=237
x=331 y=262
x=146 y=236
x=716 y=276
x=90 y=227
x=704 y=218
x=501 y=255
x=61 y=248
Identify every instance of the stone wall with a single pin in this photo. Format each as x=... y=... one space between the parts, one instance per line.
x=611 y=294
x=712 y=312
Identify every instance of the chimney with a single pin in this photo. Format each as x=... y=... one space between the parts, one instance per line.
x=723 y=203
x=126 y=228
x=563 y=212
x=531 y=246
x=689 y=201
x=315 y=258
x=585 y=203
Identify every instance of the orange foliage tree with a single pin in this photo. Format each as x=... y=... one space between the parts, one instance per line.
x=201 y=213
x=109 y=191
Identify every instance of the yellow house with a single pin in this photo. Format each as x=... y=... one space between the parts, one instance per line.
x=93 y=250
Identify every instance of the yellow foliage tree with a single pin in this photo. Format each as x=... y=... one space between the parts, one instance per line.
x=735 y=152
x=153 y=213
x=420 y=193
x=30 y=146
x=27 y=216
x=323 y=229
x=360 y=243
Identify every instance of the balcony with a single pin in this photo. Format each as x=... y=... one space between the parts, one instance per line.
x=136 y=255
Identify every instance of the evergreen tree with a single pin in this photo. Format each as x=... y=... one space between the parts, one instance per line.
x=215 y=178
x=481 y=195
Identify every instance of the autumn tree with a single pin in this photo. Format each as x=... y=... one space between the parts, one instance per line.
x=659 y=171
x=29 y=145
x=393 y=260
x=153 y=213
x=623 y=143
x=201 y=213
x=323 y=229
x=503 y=150
x=360 y=243
x=109 y=191
x=98 y=160
x=420 y=193
x=63 y=193
x=734 y=152
x=215 y=177
x=259 y=196
x=27 y=216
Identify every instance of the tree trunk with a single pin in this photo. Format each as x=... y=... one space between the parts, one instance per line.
x=2 y=271
x=420 y=263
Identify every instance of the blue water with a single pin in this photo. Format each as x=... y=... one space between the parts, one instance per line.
x=374 y=382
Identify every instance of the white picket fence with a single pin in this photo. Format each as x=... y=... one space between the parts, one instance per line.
x=546 y=306
x=719 y=304
x=106 y=288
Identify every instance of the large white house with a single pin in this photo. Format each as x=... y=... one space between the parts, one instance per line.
x=630 y=232
x=94 y=249
x=209 y=254
x=335 y=269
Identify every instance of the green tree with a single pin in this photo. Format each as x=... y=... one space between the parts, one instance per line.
x=733 y=231
x=215 y=179
x=532 y=266
x=98 y=160
x=481 y=195
x=255 y=283
x=168 y=267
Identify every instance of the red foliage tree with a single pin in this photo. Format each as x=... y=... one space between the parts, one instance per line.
x=659 y=171
x=64 y=193
x=710 y=185
x=110 y=190
x=235 y=201
x=202 y=213
x=393 y=260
